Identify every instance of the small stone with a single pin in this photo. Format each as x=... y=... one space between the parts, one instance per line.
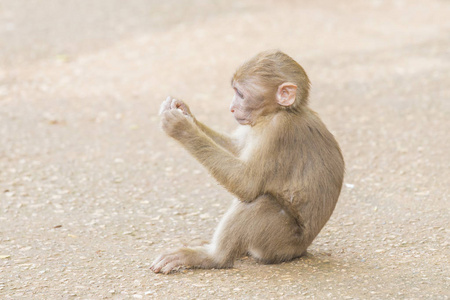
x=205 y=216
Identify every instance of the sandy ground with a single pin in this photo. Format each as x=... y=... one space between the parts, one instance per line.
x=91 y=190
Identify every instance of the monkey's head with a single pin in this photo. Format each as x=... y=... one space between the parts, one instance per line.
x=269 y=82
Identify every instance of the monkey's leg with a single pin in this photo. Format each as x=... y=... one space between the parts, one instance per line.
x=261 y=228
x=275 y=235
x=228 y=244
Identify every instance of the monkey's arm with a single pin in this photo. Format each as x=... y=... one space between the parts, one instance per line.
x=221 y=139
x=231 y=172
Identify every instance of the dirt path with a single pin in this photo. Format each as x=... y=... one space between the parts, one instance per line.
x=91 y=190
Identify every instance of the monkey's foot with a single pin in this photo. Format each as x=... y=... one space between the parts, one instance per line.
x=184 y=257
x=167 y=263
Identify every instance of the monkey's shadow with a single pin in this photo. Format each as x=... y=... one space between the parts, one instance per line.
x=311 y=262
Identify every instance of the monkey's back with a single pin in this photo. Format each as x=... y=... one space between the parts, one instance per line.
x=307 y=169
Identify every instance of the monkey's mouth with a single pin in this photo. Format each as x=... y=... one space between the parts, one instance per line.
x=242 y=121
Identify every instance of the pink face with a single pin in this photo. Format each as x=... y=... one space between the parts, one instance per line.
x=244 y=108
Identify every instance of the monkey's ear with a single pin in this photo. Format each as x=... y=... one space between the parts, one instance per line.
x=286 y=94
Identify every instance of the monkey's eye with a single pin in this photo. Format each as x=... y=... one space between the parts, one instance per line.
x=239 y=94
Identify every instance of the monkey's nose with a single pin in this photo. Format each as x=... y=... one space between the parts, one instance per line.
x=232 y=110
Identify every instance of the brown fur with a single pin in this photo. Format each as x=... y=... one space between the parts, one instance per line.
x=286 y=171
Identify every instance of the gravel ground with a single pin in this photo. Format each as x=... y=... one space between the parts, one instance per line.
x=91 y=190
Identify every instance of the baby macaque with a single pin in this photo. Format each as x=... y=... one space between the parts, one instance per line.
x=283 y=166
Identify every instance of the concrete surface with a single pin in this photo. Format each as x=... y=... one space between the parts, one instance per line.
x=91 y=190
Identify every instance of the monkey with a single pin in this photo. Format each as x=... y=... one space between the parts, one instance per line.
x=283 y=166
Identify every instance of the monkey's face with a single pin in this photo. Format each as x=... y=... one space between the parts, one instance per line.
x=245 y=107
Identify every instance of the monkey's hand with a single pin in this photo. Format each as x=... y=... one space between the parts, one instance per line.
x=176 y=124
x=171 y=103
